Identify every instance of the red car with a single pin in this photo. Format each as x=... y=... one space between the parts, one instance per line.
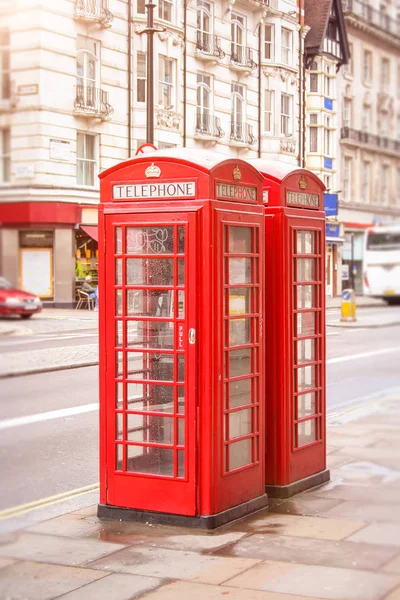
x=17 y=302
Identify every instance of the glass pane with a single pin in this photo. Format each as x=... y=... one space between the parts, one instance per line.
x=240 y=423
x=239 y=301
x=240 y=454
x=305 y=378
x=240 y=270
x=118 y=364
x=156 y=367
x=240 y=393
x=119 y=396
x=118 y=333
x=306 y=405
x=240 y=240
x=305 y=296
x=149 y=271
x=150 y=334
x=181 y=399
x=181 y=432
x=181 y=304
x=150 y=397
x=118 y=457
x=306 y=242
x=240 y=362
x=155 y=461
x=150 y=303
x=306 y=269
x=118 y=302
x=119 y=426
x=149 y=240
x=239 y=331
x=181 y=463
x=306 y=323
x=181 y=271
x=181 y=240
x=181 y=367
x=306 y=432
x=150 y=429
x=118 y=271
x=118 y=240
x=305 y=351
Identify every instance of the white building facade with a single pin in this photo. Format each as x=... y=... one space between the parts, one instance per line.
x=73 y=103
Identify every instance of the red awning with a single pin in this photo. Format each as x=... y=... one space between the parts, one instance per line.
x=92 y=231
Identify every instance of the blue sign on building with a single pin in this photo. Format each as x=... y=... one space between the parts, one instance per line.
x=331 y=205
x=332 y=230
x=327 y=163
x=328 y=104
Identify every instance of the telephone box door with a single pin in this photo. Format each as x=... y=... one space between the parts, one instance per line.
x=151 y=362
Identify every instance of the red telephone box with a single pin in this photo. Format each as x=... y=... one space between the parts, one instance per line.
x=295 y=329
x=181 y=276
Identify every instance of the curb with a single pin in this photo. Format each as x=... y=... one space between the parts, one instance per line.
x=353 y=325
x=48 y=369
x=5 y=332
x=359 y=306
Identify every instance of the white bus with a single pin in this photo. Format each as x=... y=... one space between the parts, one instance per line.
x=382 y=263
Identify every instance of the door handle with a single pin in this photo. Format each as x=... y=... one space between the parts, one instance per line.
x=192 y=336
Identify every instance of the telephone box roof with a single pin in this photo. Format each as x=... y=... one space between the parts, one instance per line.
x=273 y=168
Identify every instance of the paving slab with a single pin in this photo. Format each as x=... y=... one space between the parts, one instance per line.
x=301 y=505
x=379 y=533
x=363 y=511
x=308 y=551
x=116 y=586
x=43 y=581
x=316 y=581
x=393 y=566
x=56 y=550
x=70 y=525
x=394 y=595
x=174 y=564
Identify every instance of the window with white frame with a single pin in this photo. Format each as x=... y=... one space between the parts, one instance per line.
x=286 y=114
x=328 y=135
x=269 y=41
x=366 y=182
x=347 y=112
x=397 y=197
x=140 y=7
x=398 y=80
x=204 y=25
x=366 y=118
x=238 y=100
x=385 y=184
x=328 y=81
x=348 y=69
x=87 y=70
x=327 y=182
x=165 y=10
x=367 y=66
x=5 y=155
x=269 y=112
x=85 y=159
x=385 y=73
x=313 y=133
x=238 y=33
x=166 y=81
x=347 y=178
x=398 y=127
x=141 y=65
x=5 y=74
x=286 y=46
x=204 y=101
x=383 y=124
x=314 y=77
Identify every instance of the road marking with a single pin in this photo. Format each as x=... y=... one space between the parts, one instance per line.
x=21 y=509
x=47 y=416
x=349 y=357
x=50 y=339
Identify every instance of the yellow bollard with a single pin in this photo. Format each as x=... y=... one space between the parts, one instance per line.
x=349 y=309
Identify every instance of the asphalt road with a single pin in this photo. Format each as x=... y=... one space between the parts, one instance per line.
x=47 y=454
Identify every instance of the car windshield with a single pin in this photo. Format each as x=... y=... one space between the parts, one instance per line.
x=5 y=284
x=383 y=241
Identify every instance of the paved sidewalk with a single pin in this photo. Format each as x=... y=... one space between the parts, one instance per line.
x=361 y=301
x=338 y=542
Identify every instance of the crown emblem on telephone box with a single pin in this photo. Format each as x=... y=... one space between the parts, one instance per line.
x=153 y=171
x=237 y=174
x=303 y=183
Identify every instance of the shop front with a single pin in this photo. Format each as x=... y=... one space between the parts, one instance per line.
x=334 y=241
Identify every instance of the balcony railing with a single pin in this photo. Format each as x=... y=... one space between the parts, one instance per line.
x=209 y=45
x=374 y=17
x=363 y=137
x=242 y=133
x=94 y=10
x=92 y=102
x=242 y=57
x=208 y=125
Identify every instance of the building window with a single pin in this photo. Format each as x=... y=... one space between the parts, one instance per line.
x=238 y=110
x=204 y=100
x=385 y=73
x=385 y=184
x=347 y=110
x=366 y=123
x=204 y=25
x=328 y=135
x=268 y=112
x=269 y=42
x=328 y=81
x=314 y=77
x=140 y=9
x=286 y=114
x=327 y=182
x=349 y=67
x=5 y=75
x=313 y=133
x=165 y=8
x=141 y=77
x=367 y=66
x=87 y=68
x=366 y=182
x=238 y=32
x=166 y=83
x=5 y=156
x=286 y=46
x=347 y=178
x=383 y=124
x=398 y=81
x=85 y=159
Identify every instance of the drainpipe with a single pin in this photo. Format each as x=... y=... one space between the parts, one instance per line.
x=184 y=69
x=259 y=90
x=129 y=78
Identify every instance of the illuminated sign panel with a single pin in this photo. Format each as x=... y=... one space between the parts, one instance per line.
x=230 y=191
x=167 y=189
x=302 y=199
